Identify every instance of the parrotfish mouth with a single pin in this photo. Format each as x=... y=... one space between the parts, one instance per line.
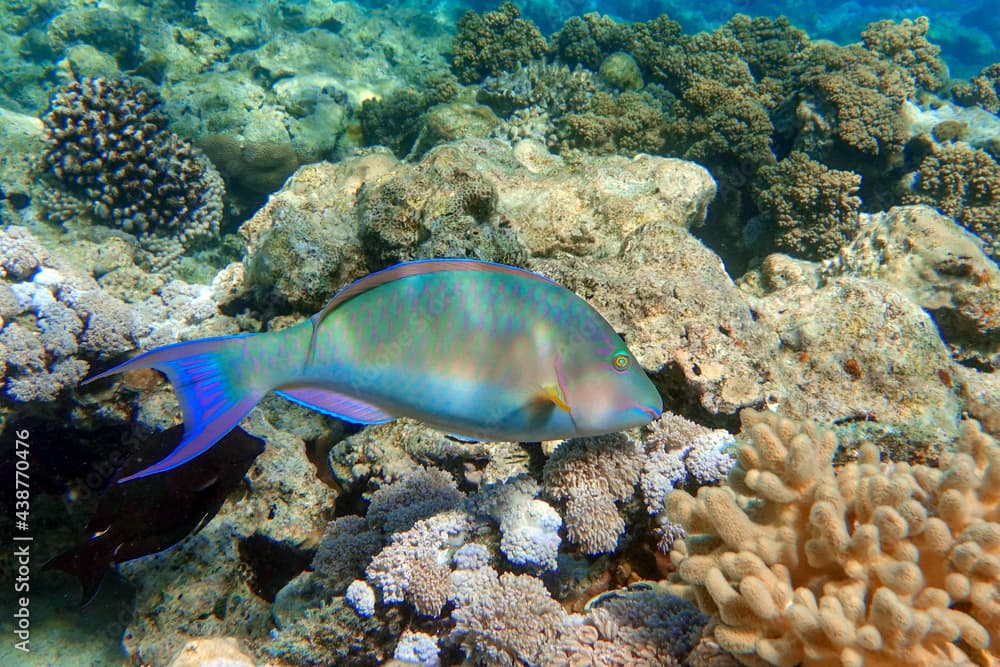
x=653 y=413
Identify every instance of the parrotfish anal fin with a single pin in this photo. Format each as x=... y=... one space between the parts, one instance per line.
x=211 y=402
x=336 y=405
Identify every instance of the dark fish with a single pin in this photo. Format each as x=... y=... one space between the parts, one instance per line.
x=149 y=514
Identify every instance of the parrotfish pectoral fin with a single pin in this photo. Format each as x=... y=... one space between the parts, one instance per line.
x=336 y=405
x=211 y=402
x=553 y=394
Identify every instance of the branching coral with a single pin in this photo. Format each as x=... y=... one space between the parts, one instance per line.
x=983 y=89
x=496 y=41
x=815 y=208
x=873 y=564
x=587 y=40
x=108 y=144
x=624 y=124
x=861 y=95
x=905 y=43
x=395 y=121
x=963 y=183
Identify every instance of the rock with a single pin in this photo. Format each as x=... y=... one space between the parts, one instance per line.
x=938 y=265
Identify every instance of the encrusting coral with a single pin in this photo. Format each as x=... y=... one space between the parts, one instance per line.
x=872 y=564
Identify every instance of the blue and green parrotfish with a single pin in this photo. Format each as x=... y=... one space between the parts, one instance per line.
x=479 y=350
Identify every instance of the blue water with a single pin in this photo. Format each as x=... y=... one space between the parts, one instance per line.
x=968 y=32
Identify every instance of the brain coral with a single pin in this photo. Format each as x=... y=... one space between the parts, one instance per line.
x=109 y=146
x=872 y=564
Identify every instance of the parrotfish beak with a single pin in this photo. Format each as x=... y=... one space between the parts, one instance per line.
x=653 y=412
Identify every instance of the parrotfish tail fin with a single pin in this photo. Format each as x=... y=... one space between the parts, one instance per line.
x=212 y=400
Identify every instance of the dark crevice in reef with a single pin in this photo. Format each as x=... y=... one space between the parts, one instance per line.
x=272 y=564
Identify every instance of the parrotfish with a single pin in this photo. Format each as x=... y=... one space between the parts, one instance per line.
x=478 y=350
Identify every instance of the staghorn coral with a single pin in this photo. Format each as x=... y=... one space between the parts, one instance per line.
x=814 y=208
x=964 y=183
x=493 y=42
x=872 y=564
x=108 y=146
x=905 y=43
x=590 y=475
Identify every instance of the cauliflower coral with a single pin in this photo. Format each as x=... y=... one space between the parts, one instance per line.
x=871 y=564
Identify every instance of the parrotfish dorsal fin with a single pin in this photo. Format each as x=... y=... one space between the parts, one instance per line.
x=415 y=268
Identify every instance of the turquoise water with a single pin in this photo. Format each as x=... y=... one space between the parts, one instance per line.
x=798 y=216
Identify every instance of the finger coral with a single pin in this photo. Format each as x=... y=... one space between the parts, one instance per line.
x=872 y=564
x=108 y=146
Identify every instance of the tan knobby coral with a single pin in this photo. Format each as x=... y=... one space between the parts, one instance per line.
x=872 y=564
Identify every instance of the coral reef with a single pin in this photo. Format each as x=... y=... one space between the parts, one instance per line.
x=872 y=563
x=493 y=42
x=590 y=475
x=938 y=265
x=905 y=43
x=109 y=145
x=814 y=208
x=395 y=121
x=56 y=319
x=506 y=620
x=963 y=183
x=589 y=39
x=635 y=627
x=982 y=89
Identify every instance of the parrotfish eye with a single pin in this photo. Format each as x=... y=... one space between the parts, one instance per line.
x=621 y=361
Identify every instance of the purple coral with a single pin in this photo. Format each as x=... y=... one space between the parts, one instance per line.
x=590 y=475
x=414 y=566
x=507 y=620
